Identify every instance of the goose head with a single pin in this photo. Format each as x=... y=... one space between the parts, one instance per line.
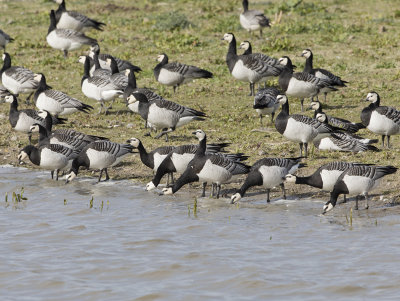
x=137 y=97
x=10 y=98
x=34 y=128
x=43 y=113
x=69 y=177
x=321 y=117
x=315 y=105
x=161 y=57
x=306 y=53
x=38 y=77
x=372 y=97
x=228 y=37
x=235 y=198
x=150 y=186
x=282 y=99
x=327 y=207
x=199 y=134
x=134 y=142
x=290 y=178
x=244 y=45
x=167 y=191
x=82 y=59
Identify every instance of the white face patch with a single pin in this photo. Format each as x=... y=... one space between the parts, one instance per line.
x=127 y=72
x=9 y=99
x=34 y=128
x=283 y=61
x=372 y=97
x=150 y=186
x=228 y=37
x=321 y=117
x=314 y=105
x=282 y=99
x=306 y=54
x=160 y=57
x=131 y=99
x=42 y=114
x=108 y=62
x=235 y=198
x=290 y=178
x=134 y=142
x=22 y=156
x=3 y=57
x=70 y=176
x=167 y=191
x=82 y=59
x=327 y=208
x=200 y=134
x=37 y=77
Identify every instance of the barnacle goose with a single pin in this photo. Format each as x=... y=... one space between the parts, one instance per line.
x=4 y=39
x=46 y=137
x=299 y=128
x=22 y=120
x=174 y=73
x=99 y=155
x=269 y=173
x=300 y=84
x=66 y=39
x=48 y=124
x=343 y=124
x=98 y=88
x=95 y=68
x=74 y=20
x=253 y=19
x=122 y=64
x=117 y=78
x=248 y=50
x=54 y=157
x=265 y=103
x=343 y=141
x=178 y=159
x=333 y=80
x=154 y=158
x=379 y=119
x=358 y=180
x=17 y=80
x=325 y=177
x=208 y=168
x=164 y=114
x=56 y=102
x=246 y=67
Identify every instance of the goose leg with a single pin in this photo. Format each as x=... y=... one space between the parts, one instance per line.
x=56 y=174
x=356 y=208
x=27 y=101
x=302 y=101
x=306 y=149
x=30 y=138
x=110 y=106
x=101 y=173
x=172 y=178
x=325 y=94
x=301 y=149
x=260 y=32
x=272 y=118
x=251 y=90
x=344 y=198
x=65 y=53
x=261 y=123
x=107 y=177
x=165 y=132
x=167 y=179
x=283 y=190
x=366 y=199
x=175 y=87
x=204 y=190
x=52 y=174
x=268 y=199
x=218 y=190
x=388 y=141
x=383 y=141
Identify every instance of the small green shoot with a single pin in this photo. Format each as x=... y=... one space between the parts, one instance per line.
x=91 y=203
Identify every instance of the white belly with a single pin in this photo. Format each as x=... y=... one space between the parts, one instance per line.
x=16 y=87
x=158 y=160
x=382 y=125
x=299 y=132
x=100 y=160
x=46 y=103
x=329 y=179
x=91 y=91
x=272 y=175
x=24 y=123
x=58 y=42
x=212 y=173
x=327 y=144
x=358 y=185
x=181 y=161
x=241 y=72
x=246 y=24
x=169 y=78
x=162 y=118
x=134 y=107
x=52 y=160
x=301 y=89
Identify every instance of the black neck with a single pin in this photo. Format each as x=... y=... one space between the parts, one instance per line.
x=308 y=67
x=254 y=178
x=145 y=157
x=158 y=67
x=6 y=63
x=96 y=61
x=308 y=181
x=113 y=66
x=188 y=176
x=231 y=56
x=48 y=123
x=43 y=135
x=33 y=154
x=201 y=150
x=86 y=69
x=52 y=22
x=248 y=50
x=245 y=5
x=78 y=162
x=132 y=79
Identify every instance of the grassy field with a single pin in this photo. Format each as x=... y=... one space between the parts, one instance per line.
x=357 y=40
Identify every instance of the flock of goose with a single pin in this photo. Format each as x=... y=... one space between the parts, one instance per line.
x=106 y=77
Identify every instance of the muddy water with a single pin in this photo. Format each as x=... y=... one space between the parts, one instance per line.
x=134 y=245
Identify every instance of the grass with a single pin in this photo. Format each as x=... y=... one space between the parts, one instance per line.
x=345 y=36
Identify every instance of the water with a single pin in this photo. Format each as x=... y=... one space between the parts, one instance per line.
x=141 y=246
